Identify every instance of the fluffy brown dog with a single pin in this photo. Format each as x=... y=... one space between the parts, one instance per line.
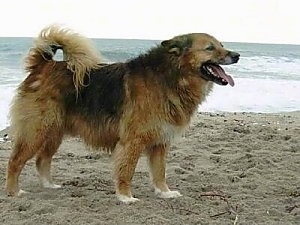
x=128 y=108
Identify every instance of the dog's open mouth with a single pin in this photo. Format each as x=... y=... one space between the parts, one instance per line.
x=216 y=73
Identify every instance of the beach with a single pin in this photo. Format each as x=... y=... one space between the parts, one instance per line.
x=231 y=168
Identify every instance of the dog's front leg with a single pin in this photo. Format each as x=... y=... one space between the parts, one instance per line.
x=126 y=156
x=157 y=166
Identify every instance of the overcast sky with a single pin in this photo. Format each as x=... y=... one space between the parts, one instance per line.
x=262 y=21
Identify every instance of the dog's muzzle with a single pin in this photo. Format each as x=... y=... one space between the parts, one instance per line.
x=231 y=57
x=212 y=71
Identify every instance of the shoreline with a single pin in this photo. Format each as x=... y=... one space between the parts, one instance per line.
x=248 y=162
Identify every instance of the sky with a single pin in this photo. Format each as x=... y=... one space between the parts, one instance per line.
x=257 y=21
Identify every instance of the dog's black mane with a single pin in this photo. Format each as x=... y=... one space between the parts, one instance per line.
x=155 y=59
x=157 y=62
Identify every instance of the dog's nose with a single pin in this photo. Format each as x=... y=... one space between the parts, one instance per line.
x=235 y=56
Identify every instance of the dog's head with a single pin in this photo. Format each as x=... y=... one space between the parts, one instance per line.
x=202 y=54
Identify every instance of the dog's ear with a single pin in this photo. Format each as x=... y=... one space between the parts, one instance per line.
x=178 y=44
x=173 y=46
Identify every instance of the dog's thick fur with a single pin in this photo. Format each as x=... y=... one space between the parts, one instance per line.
x=128 y=108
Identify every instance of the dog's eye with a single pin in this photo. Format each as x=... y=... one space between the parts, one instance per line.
x=210 y=48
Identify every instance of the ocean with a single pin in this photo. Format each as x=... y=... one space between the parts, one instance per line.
x=267 y=77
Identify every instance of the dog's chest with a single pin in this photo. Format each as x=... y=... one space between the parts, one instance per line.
x=169 y=132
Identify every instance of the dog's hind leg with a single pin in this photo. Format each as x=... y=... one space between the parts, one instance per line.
x=157 y=166
x=44 y=158
x=43 y=145
x=22 y=152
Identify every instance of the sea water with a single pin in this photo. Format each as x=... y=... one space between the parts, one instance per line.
x=267 y=77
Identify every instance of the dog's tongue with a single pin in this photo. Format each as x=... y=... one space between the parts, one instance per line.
x=221 y=73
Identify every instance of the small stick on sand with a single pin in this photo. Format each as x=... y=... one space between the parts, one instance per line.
x=230 y=208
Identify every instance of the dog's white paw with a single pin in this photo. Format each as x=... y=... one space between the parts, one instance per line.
x=52 y=186
x=47 y=184
x=126 y=199
x=21 y=192
x=167 y=194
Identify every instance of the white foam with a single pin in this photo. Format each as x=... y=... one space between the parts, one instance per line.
x=254 y=95
x=6 y=95
x=266 y=67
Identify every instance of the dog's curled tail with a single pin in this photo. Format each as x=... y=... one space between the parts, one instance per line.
x=78 y=52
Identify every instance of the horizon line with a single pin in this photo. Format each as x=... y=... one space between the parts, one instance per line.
x=150 y=39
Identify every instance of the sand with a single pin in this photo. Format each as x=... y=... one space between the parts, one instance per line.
x=232 y=168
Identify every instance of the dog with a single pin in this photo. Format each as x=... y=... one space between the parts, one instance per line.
x=127 y=108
